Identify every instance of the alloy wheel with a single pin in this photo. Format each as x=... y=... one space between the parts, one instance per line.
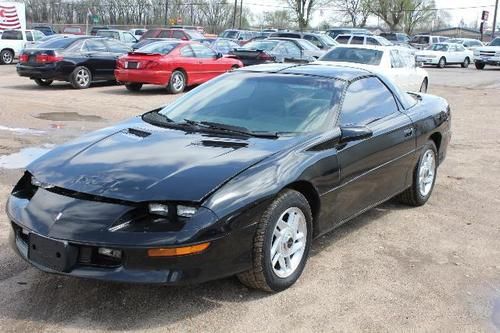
x=7 y=57
x=178 y=81
x=427 y=172
x=289 y=242
x=83 y=77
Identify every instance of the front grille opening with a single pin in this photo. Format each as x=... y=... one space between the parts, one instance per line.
x=89 y=256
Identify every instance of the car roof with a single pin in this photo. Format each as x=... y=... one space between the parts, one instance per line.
x=367 y=46
x=345 y=73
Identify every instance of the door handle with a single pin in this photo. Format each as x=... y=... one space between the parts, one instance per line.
x=408 y=132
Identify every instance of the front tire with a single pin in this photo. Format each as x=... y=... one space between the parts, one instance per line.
x=442 y=63
x=6 y=57
x=480 y=65
x=281 y=244
x=43 y=82
x=133 y=86
x=424 y=177
x=80 y=78
x=466 y=63
x=177 y=82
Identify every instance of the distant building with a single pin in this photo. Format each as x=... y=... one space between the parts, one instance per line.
x=457 y=32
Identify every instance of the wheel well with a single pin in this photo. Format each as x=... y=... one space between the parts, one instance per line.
x=311 y=195
x=180 y=69
x=436 y=137
x=8 y=49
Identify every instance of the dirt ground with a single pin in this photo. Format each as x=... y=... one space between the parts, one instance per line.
x=434 y=268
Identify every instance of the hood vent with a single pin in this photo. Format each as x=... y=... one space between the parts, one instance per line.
x=223 y=144
x=137 y=132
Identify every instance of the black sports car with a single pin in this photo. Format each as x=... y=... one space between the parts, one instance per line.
x=235 y=177
x=78 y=60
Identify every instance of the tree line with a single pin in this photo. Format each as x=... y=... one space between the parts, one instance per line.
x=217 y=15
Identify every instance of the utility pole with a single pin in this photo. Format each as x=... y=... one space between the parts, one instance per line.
x=241 y=13
x=234 y=13
x=166 y=12
x=494 y=20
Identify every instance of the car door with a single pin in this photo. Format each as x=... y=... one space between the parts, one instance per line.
x=190 y=63
x=209 y=64
x=98 y=59
x=293 y=52
x=376 y=168
x=462 y=53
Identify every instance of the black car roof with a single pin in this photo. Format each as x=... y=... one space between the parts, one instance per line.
x=345 y=73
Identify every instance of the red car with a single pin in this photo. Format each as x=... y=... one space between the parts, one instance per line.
x=175 y=64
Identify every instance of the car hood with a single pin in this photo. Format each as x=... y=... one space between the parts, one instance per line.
x=136 y=161
x=489 y=48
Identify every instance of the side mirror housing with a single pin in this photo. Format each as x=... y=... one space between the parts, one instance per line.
x=218 y=55
x=354 y=133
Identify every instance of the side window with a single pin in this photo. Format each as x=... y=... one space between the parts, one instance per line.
x=187 y=52
x=460 y=48
x=314 y=40
x=396 y=61
x=129 y=38
x=95 y=46
x=281 y=49
x=292 y=50
x=117 y=47
x=343 y=39
x=372 y=41
x=29 y=36
x=201 y=51
x=357 y=40
x=164 y=34
x=366 y=101
x=178 y=34
x=452 y=48
x=435 y=40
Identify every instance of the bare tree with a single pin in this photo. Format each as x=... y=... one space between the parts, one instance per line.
x=418 y=13
x=277 y=19
x=303 y=10
x=392 y=12
x=354 y=12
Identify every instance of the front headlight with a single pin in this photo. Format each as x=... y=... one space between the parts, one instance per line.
x=179 y=210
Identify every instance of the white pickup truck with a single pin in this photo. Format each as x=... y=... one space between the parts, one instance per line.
x=488 y=55
x=13 y=41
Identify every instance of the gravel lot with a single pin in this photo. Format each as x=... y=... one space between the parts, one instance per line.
x=434 y=268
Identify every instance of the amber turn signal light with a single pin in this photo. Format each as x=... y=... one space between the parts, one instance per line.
x=178 y=251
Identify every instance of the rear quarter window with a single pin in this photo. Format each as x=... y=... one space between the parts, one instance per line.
x=12 y=35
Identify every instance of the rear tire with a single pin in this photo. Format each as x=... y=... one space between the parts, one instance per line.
x=466 y=63
x=283 y=232
x=43 y=82
x=442 y=63
x=6 y=57
x=133 y=86
x=80 y=78
x=479 y=65
x=422 y=183
x=177 y=82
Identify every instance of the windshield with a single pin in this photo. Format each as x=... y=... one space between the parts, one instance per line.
x=389 y=36
x=158 y=47
x=307 y=45
x=72 y=30
x=57 y=43
x=438 y=47
x=110 y=34
x=261 y=102
x=233 y=34
x=420 y=40
x=327 y=40
x=356 y=55
x=194 y=34
x=264 y=45
x=495 y=42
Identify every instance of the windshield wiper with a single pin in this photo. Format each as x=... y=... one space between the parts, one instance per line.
x=231 y=129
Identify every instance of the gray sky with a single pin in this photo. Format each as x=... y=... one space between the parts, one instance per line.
x=458 y=13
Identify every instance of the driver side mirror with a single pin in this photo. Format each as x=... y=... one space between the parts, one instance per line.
x=354 y=133
x=218 y=55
